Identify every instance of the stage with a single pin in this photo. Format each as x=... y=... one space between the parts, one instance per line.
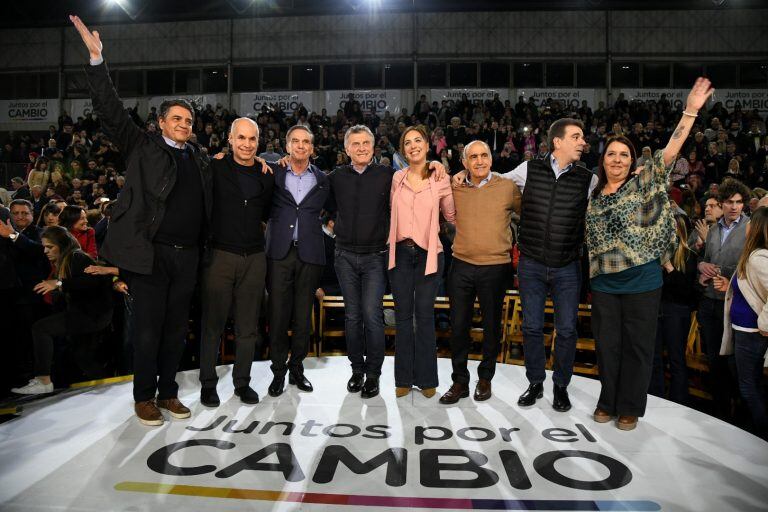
x=84 y=450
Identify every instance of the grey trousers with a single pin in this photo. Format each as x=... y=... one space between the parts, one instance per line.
x=231 y=280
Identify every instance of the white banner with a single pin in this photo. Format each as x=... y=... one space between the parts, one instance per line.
x=748 y=99
x=474 y=95
x=199 y=101
x=383 y=100
x=570 y=97
x=676 y=97
x=81 y=107
x=26 y=111
x=287 y=101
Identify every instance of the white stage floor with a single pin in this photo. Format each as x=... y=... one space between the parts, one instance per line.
x=84 y=450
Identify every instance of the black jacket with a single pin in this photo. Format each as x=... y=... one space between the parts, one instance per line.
x=150 y=177
x=236 y=221
x=86 y=293
x=285 y=212
x=30 y=265
x=361 y=205
x=552 y=220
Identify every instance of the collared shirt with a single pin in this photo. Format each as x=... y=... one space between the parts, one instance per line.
x=520 y=174
x=482 y=182
x=726 y=230
x=174 y=144
x=361 y=171
x=299 y=185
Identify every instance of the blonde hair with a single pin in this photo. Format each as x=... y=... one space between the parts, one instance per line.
x=681 y=253
x=756 y=239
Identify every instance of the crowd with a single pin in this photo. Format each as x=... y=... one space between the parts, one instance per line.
x=661 y=198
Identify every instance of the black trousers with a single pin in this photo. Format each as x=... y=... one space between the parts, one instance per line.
x=625 y=334
x=58 y=325
x=231 y=280
x=722 y=369
x=292 y=286
x=488 y=284
x=160 y=320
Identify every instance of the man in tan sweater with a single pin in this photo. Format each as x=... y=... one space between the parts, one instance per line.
x=481 y=266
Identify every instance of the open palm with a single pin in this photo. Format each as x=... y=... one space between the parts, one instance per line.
x=91 y=39
x=699 y=94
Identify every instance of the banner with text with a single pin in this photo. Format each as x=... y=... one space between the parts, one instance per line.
x=747 y=99
x=473 y=95
x=29 y=111
x=287 y=101
x=570 y=97
x=384 y=100
x=676 y=97
x=82 y=107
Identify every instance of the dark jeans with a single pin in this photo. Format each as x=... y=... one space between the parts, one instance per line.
x=363 y=281
x=625 y=334
x=749 y=352
x=488 y=284
x=59 y=325
x=161 y=302
x=231 y=280
x=672 y=333
x=291 y=294
x=563 y=284
x=722 y=369
x=414 y=294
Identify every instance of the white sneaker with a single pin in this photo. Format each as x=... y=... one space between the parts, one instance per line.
x=34 y=387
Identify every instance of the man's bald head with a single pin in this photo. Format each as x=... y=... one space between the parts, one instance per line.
x=244 y=139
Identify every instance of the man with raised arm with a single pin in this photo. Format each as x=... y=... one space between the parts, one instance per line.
x=155 y=232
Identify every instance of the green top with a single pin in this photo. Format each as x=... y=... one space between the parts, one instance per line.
x=639 y=279
x=634 y=225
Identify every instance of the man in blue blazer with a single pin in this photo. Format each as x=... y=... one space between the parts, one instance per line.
x=295 y=257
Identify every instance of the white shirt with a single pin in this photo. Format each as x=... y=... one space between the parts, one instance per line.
x=520 y=175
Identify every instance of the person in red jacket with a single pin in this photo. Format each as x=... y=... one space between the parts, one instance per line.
x=75 y=220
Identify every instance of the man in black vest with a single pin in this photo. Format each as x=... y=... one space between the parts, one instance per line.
x=154 y=233
x=551 y=236
x=236 y=265
x=295 y=257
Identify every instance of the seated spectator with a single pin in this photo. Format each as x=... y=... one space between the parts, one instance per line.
x=86 y=303
x=49 y=215
x=75 y=220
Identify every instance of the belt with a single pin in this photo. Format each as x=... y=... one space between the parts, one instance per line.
x=408 y=242
x=295 y=243
x=177 y=246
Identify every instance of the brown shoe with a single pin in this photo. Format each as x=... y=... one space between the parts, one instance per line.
x=428 y=392
x=602 y=416
x=483 y=390
x=401 y=391
x=176 y=408
x=456 y=392
x=148 y=413
x=626 y=422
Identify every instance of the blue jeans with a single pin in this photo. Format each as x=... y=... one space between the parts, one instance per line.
x=414 y=293
x=363 y=281
x=672 y=332
x=749 y=352
x=536 y=281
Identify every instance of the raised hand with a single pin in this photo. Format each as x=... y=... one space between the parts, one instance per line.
x=91 y=39
x=6 y=228
x=699 y=95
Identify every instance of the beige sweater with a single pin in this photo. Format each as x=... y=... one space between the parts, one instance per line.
x=754 y=287
x=483 y=215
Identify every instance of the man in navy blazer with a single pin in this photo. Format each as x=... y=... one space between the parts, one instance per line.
x=295 y=257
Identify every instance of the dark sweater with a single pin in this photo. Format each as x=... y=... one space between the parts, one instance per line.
x=680 y=287
x=361 y=205
x=185 y=206
x=242 y=199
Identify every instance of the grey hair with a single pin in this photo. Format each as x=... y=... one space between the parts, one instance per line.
x=232 y=128
x=358 y=128
x=299 y=127
x=466 y=148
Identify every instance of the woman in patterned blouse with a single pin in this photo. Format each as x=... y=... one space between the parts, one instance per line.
x=630 y=232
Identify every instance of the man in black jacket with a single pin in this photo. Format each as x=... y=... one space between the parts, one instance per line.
x=236 y=267
x=154 y=233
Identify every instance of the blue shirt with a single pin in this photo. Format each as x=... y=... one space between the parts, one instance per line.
x=484 y=181
x=726 y=230
x=299 y=185
x=743 y=317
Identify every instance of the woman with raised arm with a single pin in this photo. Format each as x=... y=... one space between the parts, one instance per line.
x=630 y=234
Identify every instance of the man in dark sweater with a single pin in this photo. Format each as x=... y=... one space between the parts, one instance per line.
x=359 y=198
x=236 y=266
x=154 y=233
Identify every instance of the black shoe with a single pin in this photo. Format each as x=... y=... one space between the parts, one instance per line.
x=355 y=383
x=300 y=381
x=533 y=392
x=276 y=387
x=370 y=388
x=247 y=395
x=209 y=397
x=560 y=401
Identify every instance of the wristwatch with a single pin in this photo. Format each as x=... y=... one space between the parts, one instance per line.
x=59 y=284
x=13 y=236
